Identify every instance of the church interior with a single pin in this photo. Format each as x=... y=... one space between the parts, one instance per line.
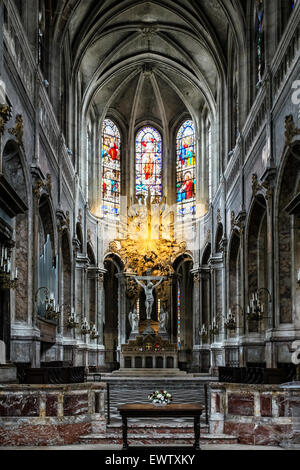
x=149 y=218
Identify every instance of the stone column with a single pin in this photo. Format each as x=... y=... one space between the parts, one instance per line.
x=121 y=310
x=196 y=317
x=100 y=315
x=271 y=356
x=216 y=420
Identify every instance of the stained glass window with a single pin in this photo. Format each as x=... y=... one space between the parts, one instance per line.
x=111 y=142
x=186 y=170
x=148 y=162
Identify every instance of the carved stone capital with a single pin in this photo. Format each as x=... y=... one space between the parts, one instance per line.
x=290 y=129
x=18 y=130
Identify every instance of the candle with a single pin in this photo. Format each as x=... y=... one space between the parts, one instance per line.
x=16 y=273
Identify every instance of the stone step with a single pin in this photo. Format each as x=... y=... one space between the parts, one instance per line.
x=157 y=373
x=150 y=429
x=157 y=439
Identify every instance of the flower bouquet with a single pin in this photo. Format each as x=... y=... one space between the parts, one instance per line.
x=160 y=398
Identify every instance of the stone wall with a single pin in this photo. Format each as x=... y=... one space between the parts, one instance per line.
x=39 y=415
x=256 y=414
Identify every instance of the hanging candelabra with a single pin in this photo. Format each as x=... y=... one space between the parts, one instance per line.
x=8 y=279
x=255 y=309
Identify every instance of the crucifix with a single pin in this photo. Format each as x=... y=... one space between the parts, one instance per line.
x=149 y=287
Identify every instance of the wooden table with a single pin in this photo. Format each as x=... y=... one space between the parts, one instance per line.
x=147 y=410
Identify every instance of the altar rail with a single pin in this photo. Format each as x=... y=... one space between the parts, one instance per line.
x=256 y=414
x=50 y=414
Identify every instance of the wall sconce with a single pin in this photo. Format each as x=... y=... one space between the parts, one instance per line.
x=230 y=321
x=51 y=309
x=73 y=321
x=255 y=308
x=298 y=276
x=85 y=327
x=203 y=332
x=214 y=328
x=94 y=333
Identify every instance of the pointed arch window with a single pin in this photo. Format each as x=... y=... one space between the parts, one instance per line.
x=186 y=170
x=260 y=41
x=111 y=171
x=148 y=163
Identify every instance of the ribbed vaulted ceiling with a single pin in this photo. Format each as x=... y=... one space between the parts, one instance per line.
x=149 y=59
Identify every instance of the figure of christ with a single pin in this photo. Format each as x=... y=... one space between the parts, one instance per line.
x=148 y=289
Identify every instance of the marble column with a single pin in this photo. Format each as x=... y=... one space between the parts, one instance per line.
x=100 y=312
x=121 y=311
x=196 y=317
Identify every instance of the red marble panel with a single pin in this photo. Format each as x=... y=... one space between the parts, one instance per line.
x=75 y=404
x=19 y=405
x=41 y=435
x=281 y=406
x=217 y=402
x=51 y=405
x=268 y=435
x=243 y=431
x=241 y=404
x=266 y=405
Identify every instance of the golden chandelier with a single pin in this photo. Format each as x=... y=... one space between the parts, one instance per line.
x=140 y=251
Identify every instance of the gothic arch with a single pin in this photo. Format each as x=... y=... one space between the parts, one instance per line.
x=287 y=243
x=257 y=256
x=14 y=169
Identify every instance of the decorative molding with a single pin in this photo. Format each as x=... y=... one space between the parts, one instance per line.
x=266 y=188
x=40 y=186
x=18 y=130
x=5 y=116
x=290 y=129
x=63 y=220
x=238 y=222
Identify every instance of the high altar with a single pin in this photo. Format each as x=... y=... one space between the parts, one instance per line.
x=148 y=268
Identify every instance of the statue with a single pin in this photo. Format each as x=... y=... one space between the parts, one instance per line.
x=134 y=321
x=163 y=318
x=163 y=323
x=148 y=289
